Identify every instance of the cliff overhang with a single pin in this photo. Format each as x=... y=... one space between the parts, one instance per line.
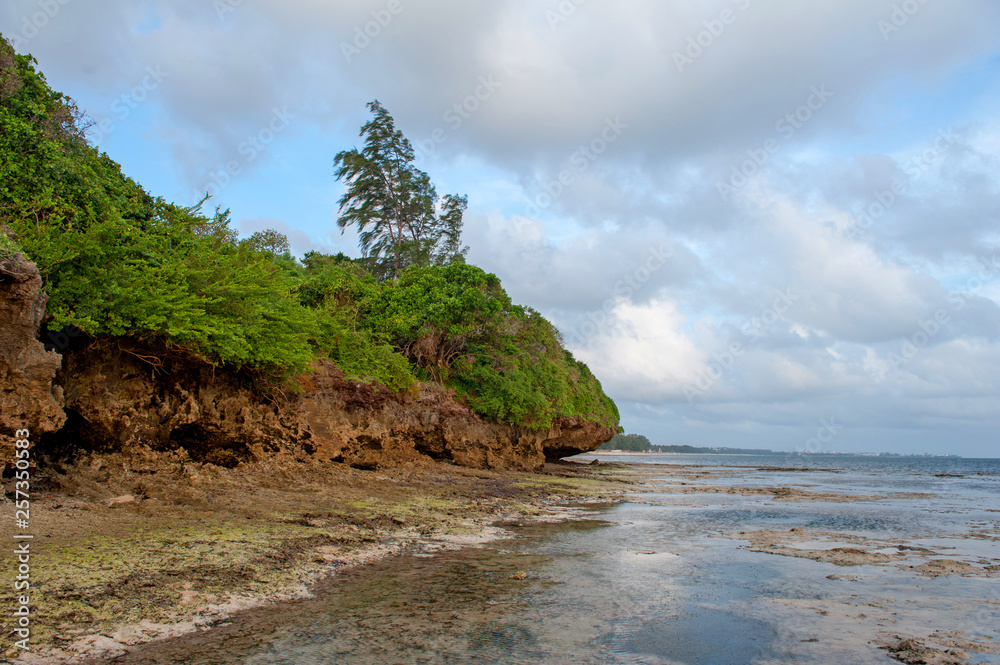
x=115 y=395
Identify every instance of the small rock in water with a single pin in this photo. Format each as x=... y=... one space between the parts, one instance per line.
x=519 y=575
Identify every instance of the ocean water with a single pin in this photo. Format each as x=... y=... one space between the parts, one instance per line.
x=667 y=578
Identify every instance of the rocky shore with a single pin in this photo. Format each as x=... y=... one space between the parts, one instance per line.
x=123 y=557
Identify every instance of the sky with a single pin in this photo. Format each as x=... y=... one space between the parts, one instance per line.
x=761 y=224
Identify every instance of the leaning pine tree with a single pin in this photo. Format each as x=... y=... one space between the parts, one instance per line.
x=395 y=208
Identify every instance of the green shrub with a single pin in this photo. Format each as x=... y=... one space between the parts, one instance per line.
x=458 y=327
x=118 y=262
x=8 y=247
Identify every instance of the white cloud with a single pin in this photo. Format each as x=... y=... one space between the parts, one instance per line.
x=642 y=353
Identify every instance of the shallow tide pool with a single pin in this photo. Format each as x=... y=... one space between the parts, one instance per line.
x=664 y=578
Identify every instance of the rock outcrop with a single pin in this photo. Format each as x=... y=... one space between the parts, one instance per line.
x=28 y=399
x=121 y=397
x=111 y=395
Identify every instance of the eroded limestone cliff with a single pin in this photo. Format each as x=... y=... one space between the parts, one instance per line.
x=115 y=396
x=28 y=398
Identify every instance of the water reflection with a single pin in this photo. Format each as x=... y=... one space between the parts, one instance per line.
x=647 y=584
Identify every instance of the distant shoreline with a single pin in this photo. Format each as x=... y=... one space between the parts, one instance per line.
x=781 y=454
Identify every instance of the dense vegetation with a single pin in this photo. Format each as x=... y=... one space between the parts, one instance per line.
x=636 y=443
x=118 y=262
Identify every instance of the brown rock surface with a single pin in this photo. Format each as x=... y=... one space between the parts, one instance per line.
x=28 y=399
x=940 y=648
x=121 y=397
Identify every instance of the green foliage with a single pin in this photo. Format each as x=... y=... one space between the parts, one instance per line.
x=118 y=262
x=395 y=208
x=433 y=314
x=8 y=246
x=459 y=327
x=337 y=287
x=268 y=240
x=631 y=442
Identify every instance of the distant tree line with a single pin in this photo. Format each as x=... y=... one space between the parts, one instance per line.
x=698 y=450
x=636 y=443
